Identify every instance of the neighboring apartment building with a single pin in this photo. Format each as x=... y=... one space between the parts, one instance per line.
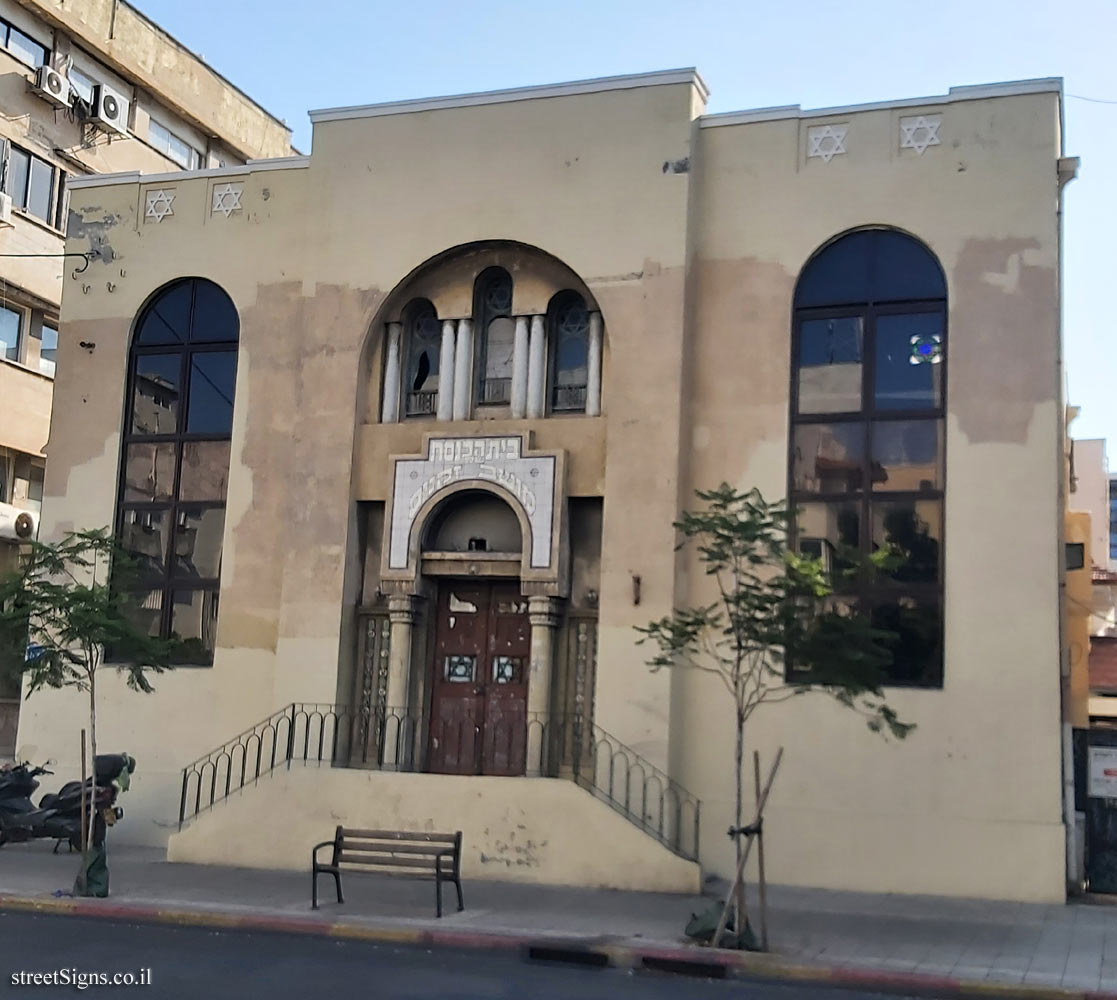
x=407 y=486
x=85 y=88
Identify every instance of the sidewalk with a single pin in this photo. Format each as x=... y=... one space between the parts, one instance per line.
x=886 y=941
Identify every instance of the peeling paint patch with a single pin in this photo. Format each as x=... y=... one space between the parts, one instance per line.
x=677 y=166
x=1002 y=297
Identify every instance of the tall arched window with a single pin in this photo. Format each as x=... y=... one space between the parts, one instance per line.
x=422 y=376
x=496 y=335
x=569 y=338
x=175 y=469
x=867 y=405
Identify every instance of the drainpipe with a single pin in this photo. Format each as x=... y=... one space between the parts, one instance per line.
x=1066 y=171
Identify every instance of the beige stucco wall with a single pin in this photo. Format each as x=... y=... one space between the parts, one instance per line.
x=26 y=395
x=1079 y=597
x=1091 y=494
x=963 y=806
x=696 y=392
x=541 y=831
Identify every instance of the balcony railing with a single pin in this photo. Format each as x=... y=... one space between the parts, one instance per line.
x=422 y=403
x=396 y=740
x=495 y=391
x=568 y=397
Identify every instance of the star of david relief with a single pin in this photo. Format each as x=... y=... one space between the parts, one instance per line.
x=826 y=141
x=919 y=131
x=159 y=204
x=226 y=199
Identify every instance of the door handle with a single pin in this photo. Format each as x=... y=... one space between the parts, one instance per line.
x=478 y=690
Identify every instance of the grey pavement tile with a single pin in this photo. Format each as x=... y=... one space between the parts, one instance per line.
x=970 y=971
x=1080 y=982
x=935 y=968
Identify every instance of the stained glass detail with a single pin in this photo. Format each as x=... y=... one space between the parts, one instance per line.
x=506 y=669
x=926 y=349
x=498 y=296
x=461 y=669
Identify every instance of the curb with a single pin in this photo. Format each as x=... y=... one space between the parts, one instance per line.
x=685 y=960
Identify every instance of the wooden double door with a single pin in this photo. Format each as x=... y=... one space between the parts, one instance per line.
x=478 y=722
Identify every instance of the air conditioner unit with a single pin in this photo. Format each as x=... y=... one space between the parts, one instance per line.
x=52 y=86
x=17 y=525
x=6 y=211
x=110 y=109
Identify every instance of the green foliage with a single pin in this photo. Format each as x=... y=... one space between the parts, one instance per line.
x=65 y=609
x=776 y=630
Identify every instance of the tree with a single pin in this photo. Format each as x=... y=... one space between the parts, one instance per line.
x=66 y=604
x=776 y=630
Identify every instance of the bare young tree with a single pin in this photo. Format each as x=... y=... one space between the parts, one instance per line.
x=775 y=631
x=66 y=604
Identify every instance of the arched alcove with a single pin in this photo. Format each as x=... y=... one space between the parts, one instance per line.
x=473 y=521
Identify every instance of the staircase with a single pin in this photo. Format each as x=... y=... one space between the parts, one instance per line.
x=571 y=748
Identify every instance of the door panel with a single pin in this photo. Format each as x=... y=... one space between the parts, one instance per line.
x=505 y=730
x=457 y=702
x=479 y=682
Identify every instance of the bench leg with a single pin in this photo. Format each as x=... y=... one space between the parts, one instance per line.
x=314 y=888
x=438 y=892
x=458 y=886
x=337 y=882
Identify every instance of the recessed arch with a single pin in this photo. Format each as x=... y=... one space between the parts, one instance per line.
x=473 y=520
x=175 y=457
x=870 y=264
x=419 y=525
x=866 y=470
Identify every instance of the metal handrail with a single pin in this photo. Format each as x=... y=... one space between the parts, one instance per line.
x=536 y=744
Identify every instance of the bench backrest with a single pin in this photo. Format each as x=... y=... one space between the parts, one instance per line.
x=398 y=852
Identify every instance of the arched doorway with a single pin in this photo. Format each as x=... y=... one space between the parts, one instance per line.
x=478 y=673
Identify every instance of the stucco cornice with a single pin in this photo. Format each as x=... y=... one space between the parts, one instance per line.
x=175 y=176
x=971 y=93
x=630 y=82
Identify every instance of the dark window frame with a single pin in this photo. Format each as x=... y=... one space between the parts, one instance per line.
x=863 y=592
x=169 y=581
x=6 y=29
x=55 y=199
x=483 y=314
x=554 y=309
x=426 y=402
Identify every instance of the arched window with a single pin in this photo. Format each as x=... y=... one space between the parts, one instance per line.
x=569 y=339
x=867 y=405
x=422 y=376
x=175 y=469
x=496 y=334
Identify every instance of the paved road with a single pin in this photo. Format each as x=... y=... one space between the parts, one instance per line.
x=191 y=962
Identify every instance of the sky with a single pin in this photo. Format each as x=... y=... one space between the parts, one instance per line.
x=293 y=56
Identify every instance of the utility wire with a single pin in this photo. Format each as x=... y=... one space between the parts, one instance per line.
x=1092 y=100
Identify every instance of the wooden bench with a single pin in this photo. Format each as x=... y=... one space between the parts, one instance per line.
x=391 y=852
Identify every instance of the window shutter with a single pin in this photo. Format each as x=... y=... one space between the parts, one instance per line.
x=5 y=151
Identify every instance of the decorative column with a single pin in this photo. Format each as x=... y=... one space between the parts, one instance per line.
x=519 y=368
x=544 y=618
x=389 y=413
x=536 y=374
x=446 y=373
x=593 y=367
x=398 y=729
x=463 y=369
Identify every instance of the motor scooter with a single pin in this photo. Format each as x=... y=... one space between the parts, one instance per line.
x=59 y=814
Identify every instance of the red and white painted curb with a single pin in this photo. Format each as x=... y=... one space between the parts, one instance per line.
x=625 y=954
